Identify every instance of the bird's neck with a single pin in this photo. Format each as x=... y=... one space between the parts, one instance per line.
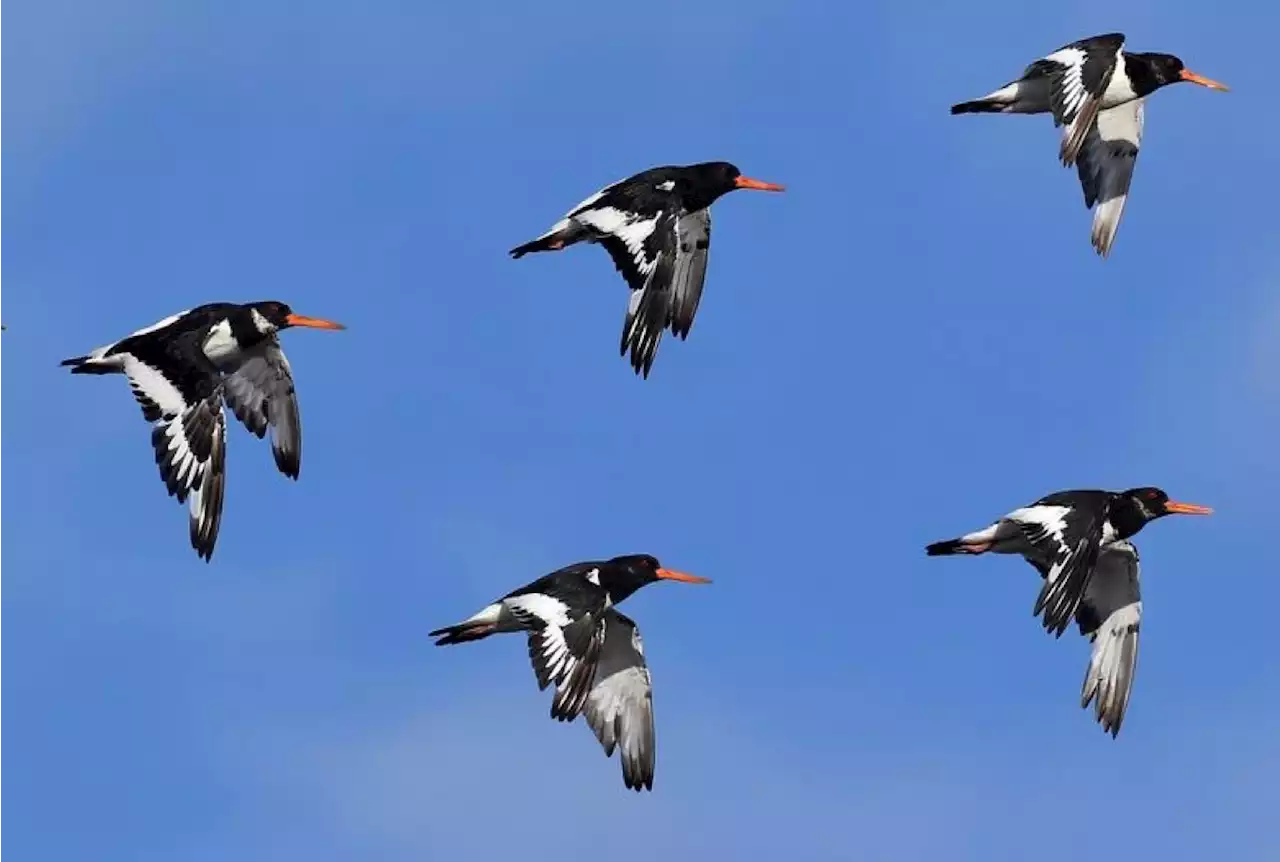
x=1126 y=518
x=1142 y=75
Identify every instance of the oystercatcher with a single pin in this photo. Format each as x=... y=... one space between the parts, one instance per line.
x=182 y=368
x=1095 y=91
x=656 y=226
x=1062 y=535
x=592 y=653
x=1078 y=541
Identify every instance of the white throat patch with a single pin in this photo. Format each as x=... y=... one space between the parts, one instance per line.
x=261 y=323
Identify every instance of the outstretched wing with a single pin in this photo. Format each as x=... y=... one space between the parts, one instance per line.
x=1079 y=74
x=1110 y=616
x=649 y=308
x=1064 y=543
x=619 y=708
x=628 y=237
x=1106 y=165
x=261 y=393
x=693 y=242
x=181 y=395
x=191 y=452
x=563 y=645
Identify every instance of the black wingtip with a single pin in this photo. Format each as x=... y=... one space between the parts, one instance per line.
x=1055 y=619
x=289 y=464
x=204 y=549
x=642 y=330
x=204 y=537
x=203 y=545
x=639 y=782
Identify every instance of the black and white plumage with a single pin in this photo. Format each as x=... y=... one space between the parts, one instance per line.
x=180 y=370
x=259 y=390
x=619 y=706
x=592 y=654
x=1105 y=166
x=1078 y=542
x=656 y=227
x=1094 y=90
x=1062 y=534
x=1109 y=616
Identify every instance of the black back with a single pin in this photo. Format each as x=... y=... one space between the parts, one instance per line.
x=1092 y=500
x=687 y=187
x=1100 y=54
x=1127 y=511
x=570 y=585
x=618 y=579
x=193 y=326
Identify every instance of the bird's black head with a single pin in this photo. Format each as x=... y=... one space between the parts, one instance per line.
x=623 y=575
x=1159 y=70
x=1133 y=508
x=704 y=183
x=270 y=316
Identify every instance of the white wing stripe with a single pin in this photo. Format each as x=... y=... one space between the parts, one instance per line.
x=551 y=611
x=155 y=386
x=161 y=324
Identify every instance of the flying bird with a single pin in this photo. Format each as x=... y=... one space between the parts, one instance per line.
x=1079 y=543
x=656 y=226
x=182 y=368
x=1095 y=91
x=591 y=653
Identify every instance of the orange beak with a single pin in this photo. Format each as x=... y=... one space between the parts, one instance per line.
x=1186 y=508
x=758 y=185
x=1187 y=75
x=312 y=322
x=668 y=575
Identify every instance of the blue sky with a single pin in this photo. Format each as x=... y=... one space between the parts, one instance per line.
x=914 y=339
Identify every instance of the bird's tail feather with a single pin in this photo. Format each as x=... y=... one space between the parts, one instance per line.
x=540 y=244
x=980 y=106
x=563 y=233
x=951 y=546
x=462 y=633
x=86 y=365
